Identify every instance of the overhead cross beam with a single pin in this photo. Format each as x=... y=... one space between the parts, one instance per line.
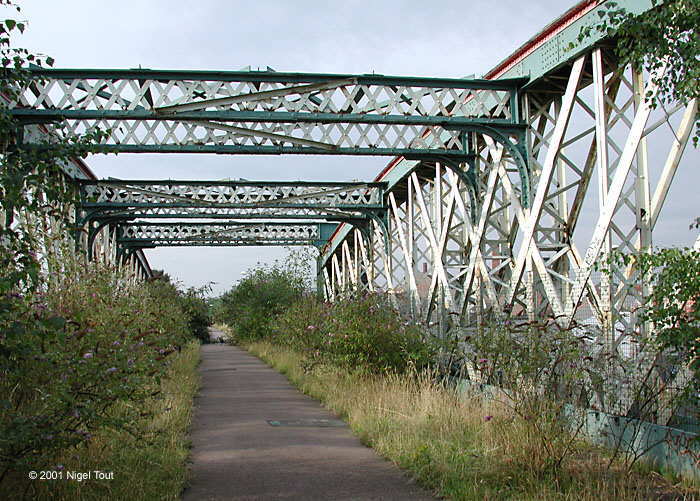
x=146 y=235
x=128 y=199
x=253 y=112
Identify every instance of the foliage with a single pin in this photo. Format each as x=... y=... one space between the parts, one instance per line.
x=70 y=354
x=363 y=332
x=191 y=301
x=77 y=344
x=540 y=368
x=196 y=307
x=251 y=306
x=155 y=459
x=301 y=262
x=665 y=34
x=32 y=182
x=672 y=307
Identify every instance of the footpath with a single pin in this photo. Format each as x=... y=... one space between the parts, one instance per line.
x=256 y=437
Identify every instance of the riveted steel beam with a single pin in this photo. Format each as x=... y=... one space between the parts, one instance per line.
x=267 y=112
x=231 y=199
x=230 y=233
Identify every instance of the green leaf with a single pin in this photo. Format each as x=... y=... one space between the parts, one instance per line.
x=10 y=23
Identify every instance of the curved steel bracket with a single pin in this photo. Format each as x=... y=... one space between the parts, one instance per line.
x=518 y=151
x=468 y=177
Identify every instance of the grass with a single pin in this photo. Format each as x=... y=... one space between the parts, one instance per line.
x=465 y=447
x=152 y=469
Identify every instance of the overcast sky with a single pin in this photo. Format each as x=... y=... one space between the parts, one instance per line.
x=443 y=39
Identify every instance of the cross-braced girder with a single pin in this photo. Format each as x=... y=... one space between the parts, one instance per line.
x=236 y=233
x=231 y=199
x=463 y=250
x=269 y=112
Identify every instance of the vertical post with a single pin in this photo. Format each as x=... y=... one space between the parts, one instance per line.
x=319 y=276
x=530 y=303
x=642 y=195
x=601 y=135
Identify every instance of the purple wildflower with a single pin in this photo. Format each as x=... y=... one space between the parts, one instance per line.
x=488 y=418
x=87 y=355
x=111 y=370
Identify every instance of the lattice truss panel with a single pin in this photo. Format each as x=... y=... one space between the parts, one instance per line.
x=431 y=228
x=230 y=199
x=593 y=189
x=267 y=111
x=232 y=194
x=225 y=234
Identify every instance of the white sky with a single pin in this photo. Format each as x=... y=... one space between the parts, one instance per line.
x=442 y=39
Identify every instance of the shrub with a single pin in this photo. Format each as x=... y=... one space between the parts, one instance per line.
x=250 y=308
x=69 y=354
x=191 y=302
x=363 y=333
x=539 y=369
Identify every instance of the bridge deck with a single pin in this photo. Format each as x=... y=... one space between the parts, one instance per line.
x=238 y=455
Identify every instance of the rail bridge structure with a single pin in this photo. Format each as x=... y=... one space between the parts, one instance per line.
x=502 y=196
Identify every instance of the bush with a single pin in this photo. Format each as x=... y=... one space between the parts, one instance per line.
x=70 y=354
x=191 y=302
x=250 y=308
x=362 y=333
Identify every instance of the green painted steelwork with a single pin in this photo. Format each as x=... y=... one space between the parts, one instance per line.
x=273 y=77
x=172 y=199
x=534 y=60
x=32 y=116
x=267 y=112
x=230 y=233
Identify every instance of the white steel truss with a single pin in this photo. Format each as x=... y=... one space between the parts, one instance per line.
x=457 y=253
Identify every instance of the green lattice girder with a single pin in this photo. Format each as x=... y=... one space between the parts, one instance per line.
x=231 y=199
x=227 y=234
x=268 y=112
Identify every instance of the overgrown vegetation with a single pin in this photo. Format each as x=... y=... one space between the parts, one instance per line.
x=192 y=301
x=673 y=305
x=465 y=446
x=84 y=348
x=154 y=458
x=251 y=307
x=526 y=441
x=363 y=332
x=81 y=358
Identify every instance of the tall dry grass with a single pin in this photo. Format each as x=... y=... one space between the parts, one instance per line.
x=463 y=446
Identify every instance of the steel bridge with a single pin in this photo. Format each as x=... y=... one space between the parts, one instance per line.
x=481 y=211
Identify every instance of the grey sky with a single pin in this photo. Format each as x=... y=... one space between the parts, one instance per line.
x=448 y=38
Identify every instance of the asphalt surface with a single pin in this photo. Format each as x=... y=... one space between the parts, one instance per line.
x=305 y=454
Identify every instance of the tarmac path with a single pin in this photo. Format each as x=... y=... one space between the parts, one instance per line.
x=256 y=437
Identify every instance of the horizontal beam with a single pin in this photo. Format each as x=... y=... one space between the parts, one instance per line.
x=275 y=214
x=231 y=198
x=224 y=234
x=271 y=77
x=52 y=115
x=266 y=112
x=226 y=149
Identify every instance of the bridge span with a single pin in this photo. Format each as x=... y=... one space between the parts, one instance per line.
x=503 y=196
